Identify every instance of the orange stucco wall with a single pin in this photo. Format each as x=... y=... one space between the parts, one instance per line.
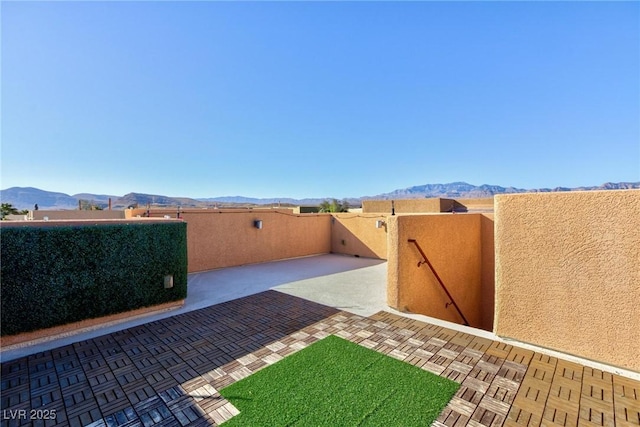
x=488 y=270
x=219 y=238
x=568 y=273
x=454 y=246
x=356 y=234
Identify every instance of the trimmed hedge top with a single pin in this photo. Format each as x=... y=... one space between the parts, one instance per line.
x=56 y=275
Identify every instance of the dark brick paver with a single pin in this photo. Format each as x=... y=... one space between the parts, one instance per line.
x=168 y=372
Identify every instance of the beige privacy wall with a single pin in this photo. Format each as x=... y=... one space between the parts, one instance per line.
x=459 y=248
x=409 y=205
x=568 y=273
x=357 y=234
x=219 y=238
x=77 y=214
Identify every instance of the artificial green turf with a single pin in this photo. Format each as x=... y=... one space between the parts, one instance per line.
x=335 y=382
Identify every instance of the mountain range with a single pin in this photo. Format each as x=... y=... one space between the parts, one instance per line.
x=27 y=197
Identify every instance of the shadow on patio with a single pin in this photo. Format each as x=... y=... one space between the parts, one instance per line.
x=118 y=373
x=167 y=371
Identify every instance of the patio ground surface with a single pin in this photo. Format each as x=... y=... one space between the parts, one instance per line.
x=166 y=369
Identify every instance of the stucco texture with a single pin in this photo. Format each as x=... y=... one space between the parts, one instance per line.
x=568 y=273
x=218 y=240
x=356 y=234
x=484 y=204
x=408 y=205
x=79 y=215
x=487 y=299
x=453 y=243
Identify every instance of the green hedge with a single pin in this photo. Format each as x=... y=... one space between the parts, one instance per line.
x=56 y=275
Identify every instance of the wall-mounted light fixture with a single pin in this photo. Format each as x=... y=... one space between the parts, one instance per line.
x=380 y=223
x=168 y=281
x=257 y=224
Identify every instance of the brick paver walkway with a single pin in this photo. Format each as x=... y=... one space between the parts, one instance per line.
x=168 y=372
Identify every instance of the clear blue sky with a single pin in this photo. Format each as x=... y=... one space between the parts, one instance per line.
x=317 y=99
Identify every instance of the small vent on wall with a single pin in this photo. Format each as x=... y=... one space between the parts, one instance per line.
x=168 y=281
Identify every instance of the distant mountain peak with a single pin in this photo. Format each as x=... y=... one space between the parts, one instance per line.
x=462 y=189
x=27 y=197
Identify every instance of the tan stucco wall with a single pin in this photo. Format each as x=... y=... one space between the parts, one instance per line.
x=453 y=244
x=477 y=204
x=72 y=215
x=219 y=238
x=356 y=234
x=488 y=270
x=568 y=273
x=408 y=205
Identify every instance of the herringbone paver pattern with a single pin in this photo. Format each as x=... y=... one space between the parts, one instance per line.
x=168 y=372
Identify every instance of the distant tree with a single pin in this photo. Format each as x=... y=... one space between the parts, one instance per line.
x=334 y=206
x=8 y=209
x=88 y=205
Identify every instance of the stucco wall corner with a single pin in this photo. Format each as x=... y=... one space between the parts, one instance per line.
x=393 y=264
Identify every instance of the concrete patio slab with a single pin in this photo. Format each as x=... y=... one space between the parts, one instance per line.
x=335 y=280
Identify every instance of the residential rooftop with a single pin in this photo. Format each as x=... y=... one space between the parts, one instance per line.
x=549 y=285
x=166 y=368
